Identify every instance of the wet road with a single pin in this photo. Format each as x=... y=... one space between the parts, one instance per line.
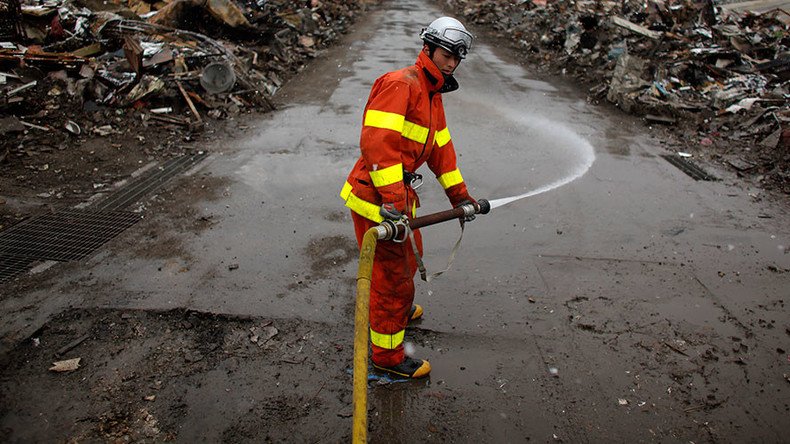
x=626 y=302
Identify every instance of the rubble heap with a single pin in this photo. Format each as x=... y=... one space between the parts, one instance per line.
x=174 y=49
x=718 y=73
x=147 y=76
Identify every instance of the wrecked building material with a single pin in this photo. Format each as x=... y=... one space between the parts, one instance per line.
x=74 y=71
x=638 y=29
x=41 y=59
x=11 y=20
x=224 y=11
x=706 y=67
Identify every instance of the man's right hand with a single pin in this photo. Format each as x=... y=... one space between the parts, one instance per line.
x=389 y=211
x=471 y=217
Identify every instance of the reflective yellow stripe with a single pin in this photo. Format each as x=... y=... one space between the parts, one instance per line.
x=381 y=119
x=415 y=132
x=414 y=209
x=449 y=179
x=397 y=122
x=346 y=191
x=443 y=137
x=386 y=341
x=387 y=176
x=359 y=206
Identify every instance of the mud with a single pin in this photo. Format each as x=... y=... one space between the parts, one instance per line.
x=61 y=172
x=149 y=376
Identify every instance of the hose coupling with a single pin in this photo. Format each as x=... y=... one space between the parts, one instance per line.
x=390 y=229
x=385 y=230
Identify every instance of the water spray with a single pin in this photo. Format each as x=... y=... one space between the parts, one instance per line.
x=398 y=231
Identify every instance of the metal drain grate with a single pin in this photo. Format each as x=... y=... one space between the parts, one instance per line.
x=149 y=181
x=11 y=266
x=73 y=234
x=688 y=167
x=65 y=235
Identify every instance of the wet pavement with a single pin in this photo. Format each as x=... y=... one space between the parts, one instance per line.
x=623 y=301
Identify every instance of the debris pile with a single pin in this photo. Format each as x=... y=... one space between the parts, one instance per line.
x=161 y=58
x=718 y=72
x=141 y=72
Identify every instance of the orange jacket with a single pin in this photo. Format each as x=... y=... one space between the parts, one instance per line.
x=403 y=127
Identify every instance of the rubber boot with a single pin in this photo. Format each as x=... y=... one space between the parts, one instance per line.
x=409 y=368
x=415 y=312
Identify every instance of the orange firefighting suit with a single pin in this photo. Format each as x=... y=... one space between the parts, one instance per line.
x=403 y=127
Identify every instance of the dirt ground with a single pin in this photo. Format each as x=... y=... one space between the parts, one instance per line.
x=145 y=367
x=61 y=171
x=56 y=171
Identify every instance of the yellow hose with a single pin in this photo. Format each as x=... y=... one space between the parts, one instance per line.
x=361 y=325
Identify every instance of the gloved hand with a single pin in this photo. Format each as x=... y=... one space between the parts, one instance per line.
x=471 y=217
x=390 y=211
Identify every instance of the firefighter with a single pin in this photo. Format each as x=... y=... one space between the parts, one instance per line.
x=404 y=126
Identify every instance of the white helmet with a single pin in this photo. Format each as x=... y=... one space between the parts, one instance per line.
x=450 y=34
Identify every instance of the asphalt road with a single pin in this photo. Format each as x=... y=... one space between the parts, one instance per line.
x=623 y=301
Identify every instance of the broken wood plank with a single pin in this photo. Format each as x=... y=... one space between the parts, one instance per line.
x=44 y=58
x=88 y=51
x=134 y=53
x=660 y=119
x=22 y=88
x=30 y=125
x=638 y=29
x=168 y=119
x=189 y=101
x=68 y=347
x=199 y=99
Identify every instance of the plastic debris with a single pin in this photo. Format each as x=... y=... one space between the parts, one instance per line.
x=73 y=128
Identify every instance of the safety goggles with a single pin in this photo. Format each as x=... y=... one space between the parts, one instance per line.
x=455 y=40
x=459 y=40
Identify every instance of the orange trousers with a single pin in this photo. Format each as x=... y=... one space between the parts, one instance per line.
x=391 y=292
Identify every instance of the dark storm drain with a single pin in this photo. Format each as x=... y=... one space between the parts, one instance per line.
x=688 y=167
x=74 y=234
x=148 y=182
x=64 y=236
x=11 y=266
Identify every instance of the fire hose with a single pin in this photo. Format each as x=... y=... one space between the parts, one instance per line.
x=387 y=230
